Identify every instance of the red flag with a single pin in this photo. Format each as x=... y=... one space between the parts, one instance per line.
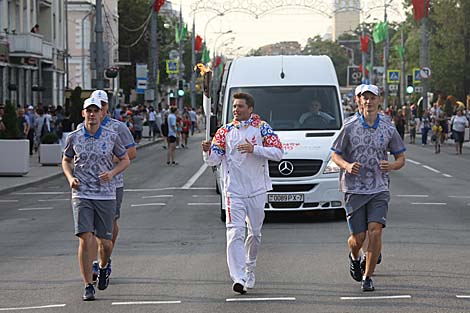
x=157 y=5
x=364 y=43
x=420 y=8
x=198 y=43
x=360 y=70
x=218 y=60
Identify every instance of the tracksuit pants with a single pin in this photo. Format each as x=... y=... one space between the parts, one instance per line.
x=241 y=253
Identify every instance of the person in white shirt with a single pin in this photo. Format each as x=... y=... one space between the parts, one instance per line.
x=459 y=122
x=243 y=147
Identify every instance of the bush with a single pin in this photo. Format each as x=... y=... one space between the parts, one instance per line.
x=11 y=122
x=50 y=138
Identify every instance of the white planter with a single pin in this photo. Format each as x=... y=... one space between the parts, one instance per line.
x=50 y=154
x=14 y=157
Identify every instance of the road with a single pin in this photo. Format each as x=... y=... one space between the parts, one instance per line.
x=170 y=256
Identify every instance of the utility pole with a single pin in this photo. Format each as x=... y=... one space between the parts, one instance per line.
x=363 y=60
x=403 y=69
x=99 y=47
x=423 y=54
x=387 y=39
x=193 y=63
x=180 y=61
x=371 y=73
x=153 y=57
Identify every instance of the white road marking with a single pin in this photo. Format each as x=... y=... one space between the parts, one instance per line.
x=41 y=193
x=463 y=296
x=148 y=204
x=412 y=161
x=8 y=201
x=158 y=196
x=260 y=299
x=206 y=196
x=168 y=188
x=53 y=200
x=431 y=169
x=377 y=297
x=460 y=197
x=36 y=209
x=34 y=307
x=210 y=203
x=195 y=177
x=446 y=175
x=413 y=196
x=429 y=203
x=145 y=302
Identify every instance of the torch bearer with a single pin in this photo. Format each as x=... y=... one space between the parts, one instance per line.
x=206 y=74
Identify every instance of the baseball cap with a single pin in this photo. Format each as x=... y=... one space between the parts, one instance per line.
x=370 y=88
x=92 y=101
x=30 y=107
x=100 y=95
x=358 y=89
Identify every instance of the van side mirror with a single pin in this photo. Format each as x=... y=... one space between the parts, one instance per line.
x=213 y=125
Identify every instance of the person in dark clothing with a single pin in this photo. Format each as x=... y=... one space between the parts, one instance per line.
x=399 y=121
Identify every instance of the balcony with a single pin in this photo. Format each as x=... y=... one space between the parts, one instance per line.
x=26 y=45
x=47 y=51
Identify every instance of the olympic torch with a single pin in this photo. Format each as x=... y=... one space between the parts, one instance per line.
x=206 y=73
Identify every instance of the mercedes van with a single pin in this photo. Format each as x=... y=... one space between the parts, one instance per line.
x=299 y=97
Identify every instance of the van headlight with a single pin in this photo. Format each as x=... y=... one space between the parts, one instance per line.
x=331 y=168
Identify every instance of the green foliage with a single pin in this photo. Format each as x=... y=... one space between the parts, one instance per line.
x=10 y=120
x=317 y=46
x=50 y=138
x=76 y=106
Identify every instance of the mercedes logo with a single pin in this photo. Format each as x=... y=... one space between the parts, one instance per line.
x=286 y=168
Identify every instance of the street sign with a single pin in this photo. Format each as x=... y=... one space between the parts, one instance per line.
x=354 y=76
x=393 y=87
x=141 y=73
x=172 y=66
x=416 y=75
x=173 y=55
x=425 y=72
x=393 y=76
x=419 y=89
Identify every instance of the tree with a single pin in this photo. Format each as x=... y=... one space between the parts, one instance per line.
x=10 y=120
x=317 y=46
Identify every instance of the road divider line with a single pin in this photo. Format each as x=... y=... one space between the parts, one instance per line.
x=195 y=177
x=148 y=204
x=413 y=196
x=158 y=196
x=47 y=193
x=210 y=203
x=8 y=201
x=145 y=302
x=168 y=188
x=412 y=161
x=53 y=200
x=446 y=175
x=377 y=297
x=429 y=203
x=205 y=196
x=431 y=169
x=34 y=307
x=36 y=209
x=460 y=197
x=260 y=299
x=463 y=296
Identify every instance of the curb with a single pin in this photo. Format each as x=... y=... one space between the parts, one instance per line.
x=44 y=179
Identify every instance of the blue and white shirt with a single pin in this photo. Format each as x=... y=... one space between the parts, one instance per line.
x=368 y=145
x=93 y=155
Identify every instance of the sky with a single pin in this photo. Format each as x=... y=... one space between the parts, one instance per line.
x=236 y=33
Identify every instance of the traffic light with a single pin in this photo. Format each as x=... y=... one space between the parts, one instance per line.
x=409 y=84
x=172 y=93
x=180 y=88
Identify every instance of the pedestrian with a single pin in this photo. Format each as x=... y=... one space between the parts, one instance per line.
x=412 y=129
x=436 y=135
x=152 y=117
x=193 y=117
x=138 y=122
x=243 y=147
x=185 y=127
x=399 y=121
x=31 y=120
x=200 y=120
x=459 y=122
x=361 y=151
x=89 y=167
x=23 y=124
x=165 y=129
x=127 y=141
x=425 y=127
x=172 y=133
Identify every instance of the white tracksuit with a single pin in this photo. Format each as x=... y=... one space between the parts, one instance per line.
x=246 y=181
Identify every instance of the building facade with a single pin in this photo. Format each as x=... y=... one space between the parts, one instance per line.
x=32 y=51
x=346 y=17
x=81 y=42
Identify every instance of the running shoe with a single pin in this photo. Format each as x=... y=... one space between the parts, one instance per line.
x=238 y=287
x=355 y=268
x=108 y=267
x=89 y=293
x=250 y=280
x=367 y=284
x=103 y=279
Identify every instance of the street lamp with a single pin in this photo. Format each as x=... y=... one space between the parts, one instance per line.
x=351 y=59
x=208 y=21
x=224 y=33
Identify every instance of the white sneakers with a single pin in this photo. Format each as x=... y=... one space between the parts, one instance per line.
x=250 y=280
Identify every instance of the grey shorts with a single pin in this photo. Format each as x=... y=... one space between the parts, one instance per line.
x=119 y=195
x=363 y=209
x=94 y=216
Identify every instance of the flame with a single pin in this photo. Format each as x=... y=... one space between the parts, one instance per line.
x=202 y=68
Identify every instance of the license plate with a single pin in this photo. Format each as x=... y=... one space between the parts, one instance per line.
x=286 y=198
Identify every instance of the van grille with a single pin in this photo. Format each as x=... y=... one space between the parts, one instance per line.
x=302 y=168
x=293 y=188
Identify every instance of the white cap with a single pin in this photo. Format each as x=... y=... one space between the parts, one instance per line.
x=92 y=101
x=30 y=107
x=370 y=88
x=100 y=95
x=358 y=89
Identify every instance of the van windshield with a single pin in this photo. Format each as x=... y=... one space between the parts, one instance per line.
x=295 y=107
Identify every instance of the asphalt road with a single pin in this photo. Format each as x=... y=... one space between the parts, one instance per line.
x=170 y=256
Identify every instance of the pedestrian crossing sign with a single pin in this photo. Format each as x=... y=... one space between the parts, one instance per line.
x=393 y=76
x=416 y=75
x=172 y=67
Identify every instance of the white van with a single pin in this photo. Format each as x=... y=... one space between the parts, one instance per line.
x=299 y=97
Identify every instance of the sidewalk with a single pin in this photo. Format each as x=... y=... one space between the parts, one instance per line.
x=39 y=174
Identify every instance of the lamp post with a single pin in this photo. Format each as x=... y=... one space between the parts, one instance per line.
x=386 y=48
x=351 y=59
x=218 y=37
